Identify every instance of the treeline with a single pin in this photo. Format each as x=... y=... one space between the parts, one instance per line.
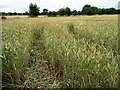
x=87 y=10
x=13 y=13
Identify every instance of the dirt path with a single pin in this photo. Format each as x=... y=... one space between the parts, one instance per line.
x=38 y=74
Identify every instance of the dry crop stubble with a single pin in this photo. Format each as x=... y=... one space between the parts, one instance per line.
x=80 y=51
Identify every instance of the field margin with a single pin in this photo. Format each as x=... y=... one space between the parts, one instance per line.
x=0 y=52
x=119 y=45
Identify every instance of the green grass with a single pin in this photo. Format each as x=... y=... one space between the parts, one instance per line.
x=79 y=51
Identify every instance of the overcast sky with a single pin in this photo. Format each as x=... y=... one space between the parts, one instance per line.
x=23 y=5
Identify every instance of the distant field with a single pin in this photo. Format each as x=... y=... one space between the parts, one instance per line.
x=60 y=52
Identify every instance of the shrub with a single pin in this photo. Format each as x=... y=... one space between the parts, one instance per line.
x=3 y=17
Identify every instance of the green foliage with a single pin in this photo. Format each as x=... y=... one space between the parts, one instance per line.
x=61 y=12
x=64 y=11
x=75 y=13
x=26 y=13
x=87 y=10
x=95 y=10
x=110 y=11
x=52 y=14
x=79 y=13
x=67 y=11
x=45 y=11
x=33 y=10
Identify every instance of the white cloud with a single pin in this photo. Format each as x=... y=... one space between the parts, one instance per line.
x=22 y=6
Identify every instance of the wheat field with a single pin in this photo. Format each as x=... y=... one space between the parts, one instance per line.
x=60 y=52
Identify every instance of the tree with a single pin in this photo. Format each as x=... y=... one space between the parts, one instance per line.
x=14 y=13
x=74 y=12
x=118 y=11
x=64 y=11
x=67 y=11
x=103 y=11
x=95 y=10
x=10 y=13
x=52 y=14
x=33 y=10
x=45 y=11
x=99 y=11
x=79 y=13
x=26 y=13
x=111 y=11
x=87 y=10
x=61 y=12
